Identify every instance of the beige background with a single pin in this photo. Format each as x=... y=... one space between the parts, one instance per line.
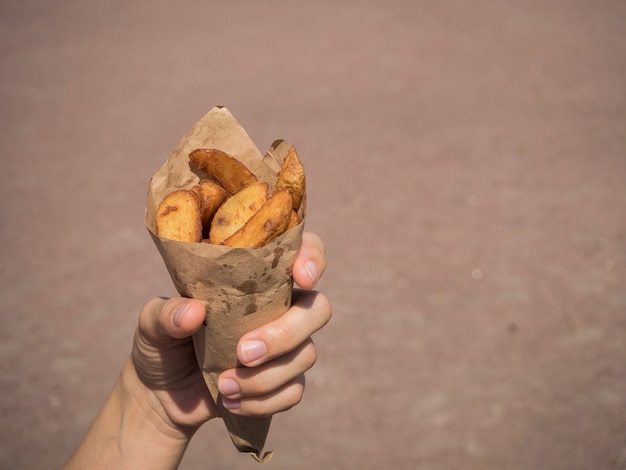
x=466 y=168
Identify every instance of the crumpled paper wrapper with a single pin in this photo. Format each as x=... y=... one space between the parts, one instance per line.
x=241 y=288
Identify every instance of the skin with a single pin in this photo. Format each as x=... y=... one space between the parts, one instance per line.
x=160 y=400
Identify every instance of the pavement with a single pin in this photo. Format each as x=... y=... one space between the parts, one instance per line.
x=466 y=170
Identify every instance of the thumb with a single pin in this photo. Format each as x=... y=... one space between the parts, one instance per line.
x=162 y=320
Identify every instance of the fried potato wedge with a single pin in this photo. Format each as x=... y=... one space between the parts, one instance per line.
x=226 y=170
x=237 y=210
x=294 y=219
x=291 y=177
x=178 y=216
x=211 y=195
x=270 y=221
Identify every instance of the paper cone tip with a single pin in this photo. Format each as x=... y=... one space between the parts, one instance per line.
x=262 y=458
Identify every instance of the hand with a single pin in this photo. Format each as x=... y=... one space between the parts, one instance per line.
x=160 y=398
x=276 y=355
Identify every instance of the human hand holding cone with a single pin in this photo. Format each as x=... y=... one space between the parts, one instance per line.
x=241 y=287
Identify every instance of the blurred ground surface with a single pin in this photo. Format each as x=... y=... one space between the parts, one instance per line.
x=467 y=171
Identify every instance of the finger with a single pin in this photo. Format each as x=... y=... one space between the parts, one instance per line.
x=245 y=382
x=311 y=261
x=161 y=320
x=162 y=352
x=282 y=399
x=310 y=312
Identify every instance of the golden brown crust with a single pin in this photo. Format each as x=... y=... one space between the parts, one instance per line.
x=178 y=216
x=294 y=220
x=291 y=177
x=270 y=221
x=211 y=195
x=233 y=207
x=229 y=172
x=236 y=211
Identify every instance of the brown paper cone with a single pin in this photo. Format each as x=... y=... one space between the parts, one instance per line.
x=241 y=289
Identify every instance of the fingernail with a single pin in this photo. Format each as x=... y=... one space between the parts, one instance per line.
x=253 y=350
x=231 y=404
x=311 y=269
x=228 y=387
x=180 y=313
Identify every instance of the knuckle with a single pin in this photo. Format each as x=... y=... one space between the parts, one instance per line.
x=294 y=393
x=308 y=355
x=324 y=306
x=260 y=384
x=282 y=332
x=149 y=307
x=286 y=398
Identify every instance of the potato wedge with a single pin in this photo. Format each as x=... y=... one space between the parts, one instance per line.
x=270 y=221
x=212 y=195
x=291 y=177
x=236 y=210
x=178 y=216
x=226 y=170
x=294 y=219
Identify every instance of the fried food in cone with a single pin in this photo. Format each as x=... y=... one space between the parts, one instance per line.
x=236 y=211
x=223 y=168
x=179 y=217
x=292 y=178
x=241 y=288
x=212 y=195
x=271 y=220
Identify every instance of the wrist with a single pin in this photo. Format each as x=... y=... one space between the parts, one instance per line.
x=131 y=431
x=149 y=408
